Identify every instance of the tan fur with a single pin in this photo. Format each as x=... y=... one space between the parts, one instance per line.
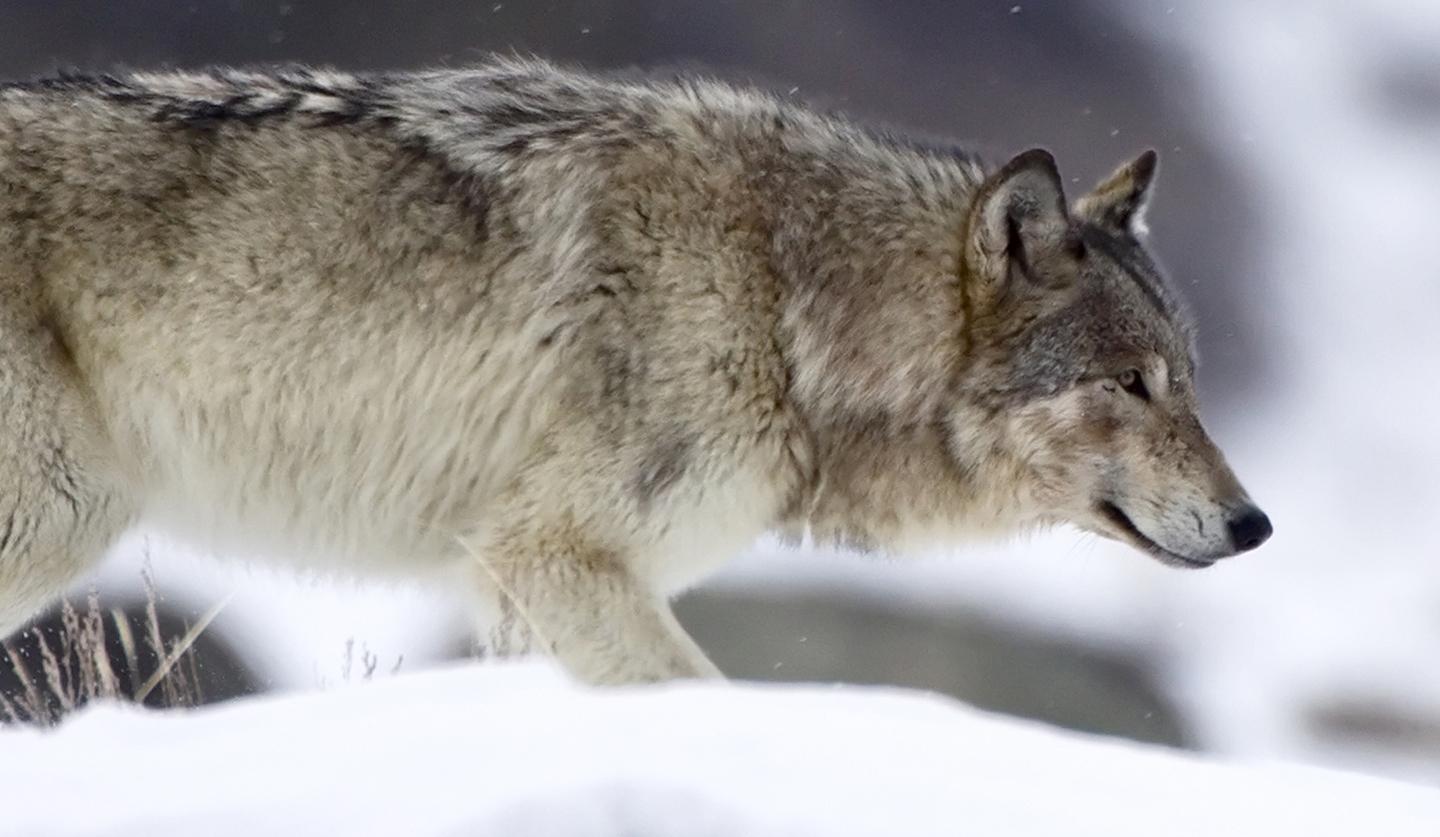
x=579 y=340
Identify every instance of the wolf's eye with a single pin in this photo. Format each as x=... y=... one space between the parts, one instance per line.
x=1134 y=383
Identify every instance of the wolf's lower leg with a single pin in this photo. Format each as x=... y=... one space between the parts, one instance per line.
x=583 y=605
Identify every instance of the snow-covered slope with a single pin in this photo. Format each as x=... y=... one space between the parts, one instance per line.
x=516 y=750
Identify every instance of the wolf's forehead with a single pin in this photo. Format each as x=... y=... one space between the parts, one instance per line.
x=1140 y=303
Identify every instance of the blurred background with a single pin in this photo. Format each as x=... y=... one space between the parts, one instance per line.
x=1295 y=209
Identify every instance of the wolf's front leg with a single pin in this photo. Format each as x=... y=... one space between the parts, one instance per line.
x=583 y=604
x=63 y=499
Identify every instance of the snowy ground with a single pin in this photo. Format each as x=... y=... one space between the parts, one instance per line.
x=515 y=749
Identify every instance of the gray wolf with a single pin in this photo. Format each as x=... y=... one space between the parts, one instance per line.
x=567 y=341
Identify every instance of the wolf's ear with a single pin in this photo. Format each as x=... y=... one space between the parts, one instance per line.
x=1019 y=215
x=1119 y=202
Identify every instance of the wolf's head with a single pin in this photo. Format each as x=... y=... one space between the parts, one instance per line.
x=1082 y=356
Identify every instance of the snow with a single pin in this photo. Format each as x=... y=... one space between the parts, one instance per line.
x=515 y=749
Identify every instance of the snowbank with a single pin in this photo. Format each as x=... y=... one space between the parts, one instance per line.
x=516 y=750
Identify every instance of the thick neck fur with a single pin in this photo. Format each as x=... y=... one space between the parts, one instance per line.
x=867 y=241
x=867 y=244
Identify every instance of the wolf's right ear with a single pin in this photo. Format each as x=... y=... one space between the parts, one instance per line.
x=1019 y=213
x=1119 y=201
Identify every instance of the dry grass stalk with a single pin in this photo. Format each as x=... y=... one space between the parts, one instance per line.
x=369 y=663
x=75 y=665
x=182 y=690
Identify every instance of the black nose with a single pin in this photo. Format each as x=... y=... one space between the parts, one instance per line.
x=1249 y=528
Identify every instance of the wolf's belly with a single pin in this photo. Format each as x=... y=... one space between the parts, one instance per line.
x=330 y=471
x=381 y=503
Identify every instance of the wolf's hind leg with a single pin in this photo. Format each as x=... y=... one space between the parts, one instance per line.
x=61 y=500
x=583 y=605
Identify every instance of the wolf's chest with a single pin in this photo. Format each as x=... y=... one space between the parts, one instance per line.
x=705 y=527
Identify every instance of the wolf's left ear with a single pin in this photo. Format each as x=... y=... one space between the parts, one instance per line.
x=1018 y=218
x=1119 y=202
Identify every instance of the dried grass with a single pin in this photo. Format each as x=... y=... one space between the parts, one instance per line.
x=67 y=668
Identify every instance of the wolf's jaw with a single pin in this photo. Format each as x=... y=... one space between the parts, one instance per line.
x=1131 y=534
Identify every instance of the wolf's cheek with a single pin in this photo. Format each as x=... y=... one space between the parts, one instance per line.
x=1068 y=443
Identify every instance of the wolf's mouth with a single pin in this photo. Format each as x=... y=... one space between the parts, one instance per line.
x=1121 y=521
